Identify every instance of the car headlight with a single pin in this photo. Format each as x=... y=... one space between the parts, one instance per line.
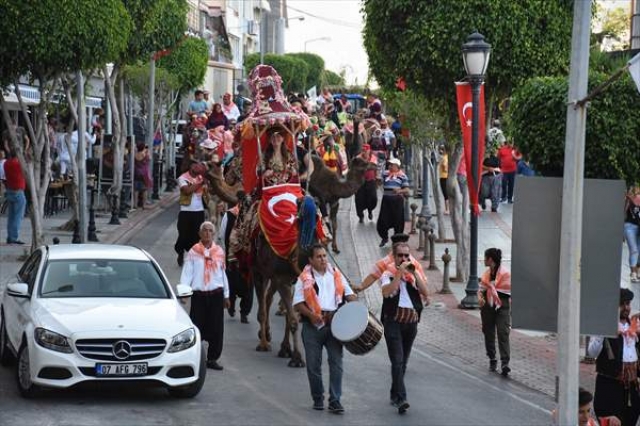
x=52 y=340
x=183 y=341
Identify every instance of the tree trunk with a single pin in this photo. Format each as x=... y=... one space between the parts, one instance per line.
x=116 y=144
x=459 y=205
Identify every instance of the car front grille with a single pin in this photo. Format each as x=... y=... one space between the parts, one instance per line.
x=103 y=349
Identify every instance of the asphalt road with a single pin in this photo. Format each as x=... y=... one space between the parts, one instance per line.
x=258 y=388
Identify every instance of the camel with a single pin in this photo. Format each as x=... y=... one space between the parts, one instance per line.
x=327 y=186
x=222 y=188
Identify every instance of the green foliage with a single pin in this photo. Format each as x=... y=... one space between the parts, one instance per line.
x=293 y=71
x=330 y=78
x=157 y=25
x=421 y=41
x=188 y=62
x=138 y=77
x=537 y=123
x=60 y=36
x=417 y=114
x=316 y=67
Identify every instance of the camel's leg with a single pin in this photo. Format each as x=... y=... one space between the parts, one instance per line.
x=285 y=296
x=296 y=361
x=271 y=290
x=263 y=314
x=333 y=215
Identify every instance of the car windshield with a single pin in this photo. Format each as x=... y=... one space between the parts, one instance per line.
x=103 y=278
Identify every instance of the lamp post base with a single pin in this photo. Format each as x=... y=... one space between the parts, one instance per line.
x=470 y=301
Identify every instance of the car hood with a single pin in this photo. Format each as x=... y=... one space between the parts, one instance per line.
x=82 y=316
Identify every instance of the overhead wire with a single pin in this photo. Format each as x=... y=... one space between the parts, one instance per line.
x=329 y=20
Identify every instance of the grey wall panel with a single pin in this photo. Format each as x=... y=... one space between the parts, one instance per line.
x=536 y=254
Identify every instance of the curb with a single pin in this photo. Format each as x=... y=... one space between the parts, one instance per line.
x=139 y=220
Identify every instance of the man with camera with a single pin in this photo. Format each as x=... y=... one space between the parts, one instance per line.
x=403 y=291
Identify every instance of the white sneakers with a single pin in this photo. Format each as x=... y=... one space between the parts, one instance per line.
x=634 y=278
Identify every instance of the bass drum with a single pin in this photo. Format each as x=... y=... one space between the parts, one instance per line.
x=356 y=328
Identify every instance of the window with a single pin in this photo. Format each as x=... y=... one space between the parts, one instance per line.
x=103 y=278
x=29 y=270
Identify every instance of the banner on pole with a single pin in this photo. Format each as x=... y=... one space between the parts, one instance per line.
x=465 y=113
x=634 y=70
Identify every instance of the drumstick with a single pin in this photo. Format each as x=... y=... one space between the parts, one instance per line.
x=335 y=262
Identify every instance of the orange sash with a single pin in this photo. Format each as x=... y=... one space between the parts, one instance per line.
x=310 y=295
x=502 y=283
x=215 y=255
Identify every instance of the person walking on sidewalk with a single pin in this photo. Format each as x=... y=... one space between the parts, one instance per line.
x=403 y=291
x=204 y=272
x=508 y=166
x=632 y=229
x=15 y=185
x=396 y=187
x=367 y=195
x=319 y=292
x=443 y=174
x=191 y=216
x=494 y=297
x=617 y=367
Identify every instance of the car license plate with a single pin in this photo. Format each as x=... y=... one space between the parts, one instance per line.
x=121 y=370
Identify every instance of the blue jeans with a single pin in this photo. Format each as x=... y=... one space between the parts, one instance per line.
x=313 y=340
x=399 y=338
x=15 y=213
x=631 y=234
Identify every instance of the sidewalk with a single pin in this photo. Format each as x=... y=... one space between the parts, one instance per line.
x=12 y=256
x=454 y=332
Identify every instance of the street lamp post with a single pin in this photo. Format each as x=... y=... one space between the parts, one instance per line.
x=315 y=39
x=475 y=53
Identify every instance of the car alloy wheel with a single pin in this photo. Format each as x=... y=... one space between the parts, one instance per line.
x=25 y=385
x=5 y=353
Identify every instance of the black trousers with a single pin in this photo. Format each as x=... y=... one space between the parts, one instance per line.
x=399 y=338
x=239 y=288
x=188 y=229
x=508 y=182
x=612 y=399
x=366 y=198
x=207 y=313
x=497 y=320
x=391 y=215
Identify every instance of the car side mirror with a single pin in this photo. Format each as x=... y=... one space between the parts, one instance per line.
x=183 y=291
x=18 y=290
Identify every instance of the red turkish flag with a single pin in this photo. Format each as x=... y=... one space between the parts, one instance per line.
x=465 y=112
x=277 y=214
x=401 y=84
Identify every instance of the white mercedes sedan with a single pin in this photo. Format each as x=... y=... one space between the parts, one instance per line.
x=77 y=313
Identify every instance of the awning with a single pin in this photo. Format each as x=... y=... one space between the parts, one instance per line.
x=30 y=95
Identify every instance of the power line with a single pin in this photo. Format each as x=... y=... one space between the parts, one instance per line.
x=329 y=20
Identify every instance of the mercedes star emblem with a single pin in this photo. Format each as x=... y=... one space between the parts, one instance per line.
x=121 y=350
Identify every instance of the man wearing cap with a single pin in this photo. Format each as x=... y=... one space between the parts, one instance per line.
x=367 y=195
x=395 y=188
x=229 y=108
x=617 y=367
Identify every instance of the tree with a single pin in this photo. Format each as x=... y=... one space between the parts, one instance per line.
x=316 y=68
x=44 y=43
x=536 y=121
x=187 y=62
x=421 y=42
x=156 y=25
x=330 y=78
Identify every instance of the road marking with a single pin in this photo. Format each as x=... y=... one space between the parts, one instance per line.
x=477 y=379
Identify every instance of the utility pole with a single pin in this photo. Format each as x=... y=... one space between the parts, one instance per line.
x=635 y=24
x=150 y=119
x=571 y=228
x=81 y=159
x=280 y=25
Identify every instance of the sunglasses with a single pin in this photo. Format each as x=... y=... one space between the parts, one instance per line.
x=404 y=255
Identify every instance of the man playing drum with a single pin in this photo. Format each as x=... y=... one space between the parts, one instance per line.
x=319 y=292
x=402 y=292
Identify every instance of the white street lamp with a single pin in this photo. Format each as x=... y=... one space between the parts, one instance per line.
x=315 y=39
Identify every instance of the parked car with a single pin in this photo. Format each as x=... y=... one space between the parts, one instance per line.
x=357 y=101
x=79 y=313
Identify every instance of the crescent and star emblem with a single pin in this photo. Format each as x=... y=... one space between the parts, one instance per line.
x=286 y=196
x=467 y=106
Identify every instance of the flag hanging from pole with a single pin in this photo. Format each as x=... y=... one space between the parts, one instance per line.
x=634 y=69
x=465 y=113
